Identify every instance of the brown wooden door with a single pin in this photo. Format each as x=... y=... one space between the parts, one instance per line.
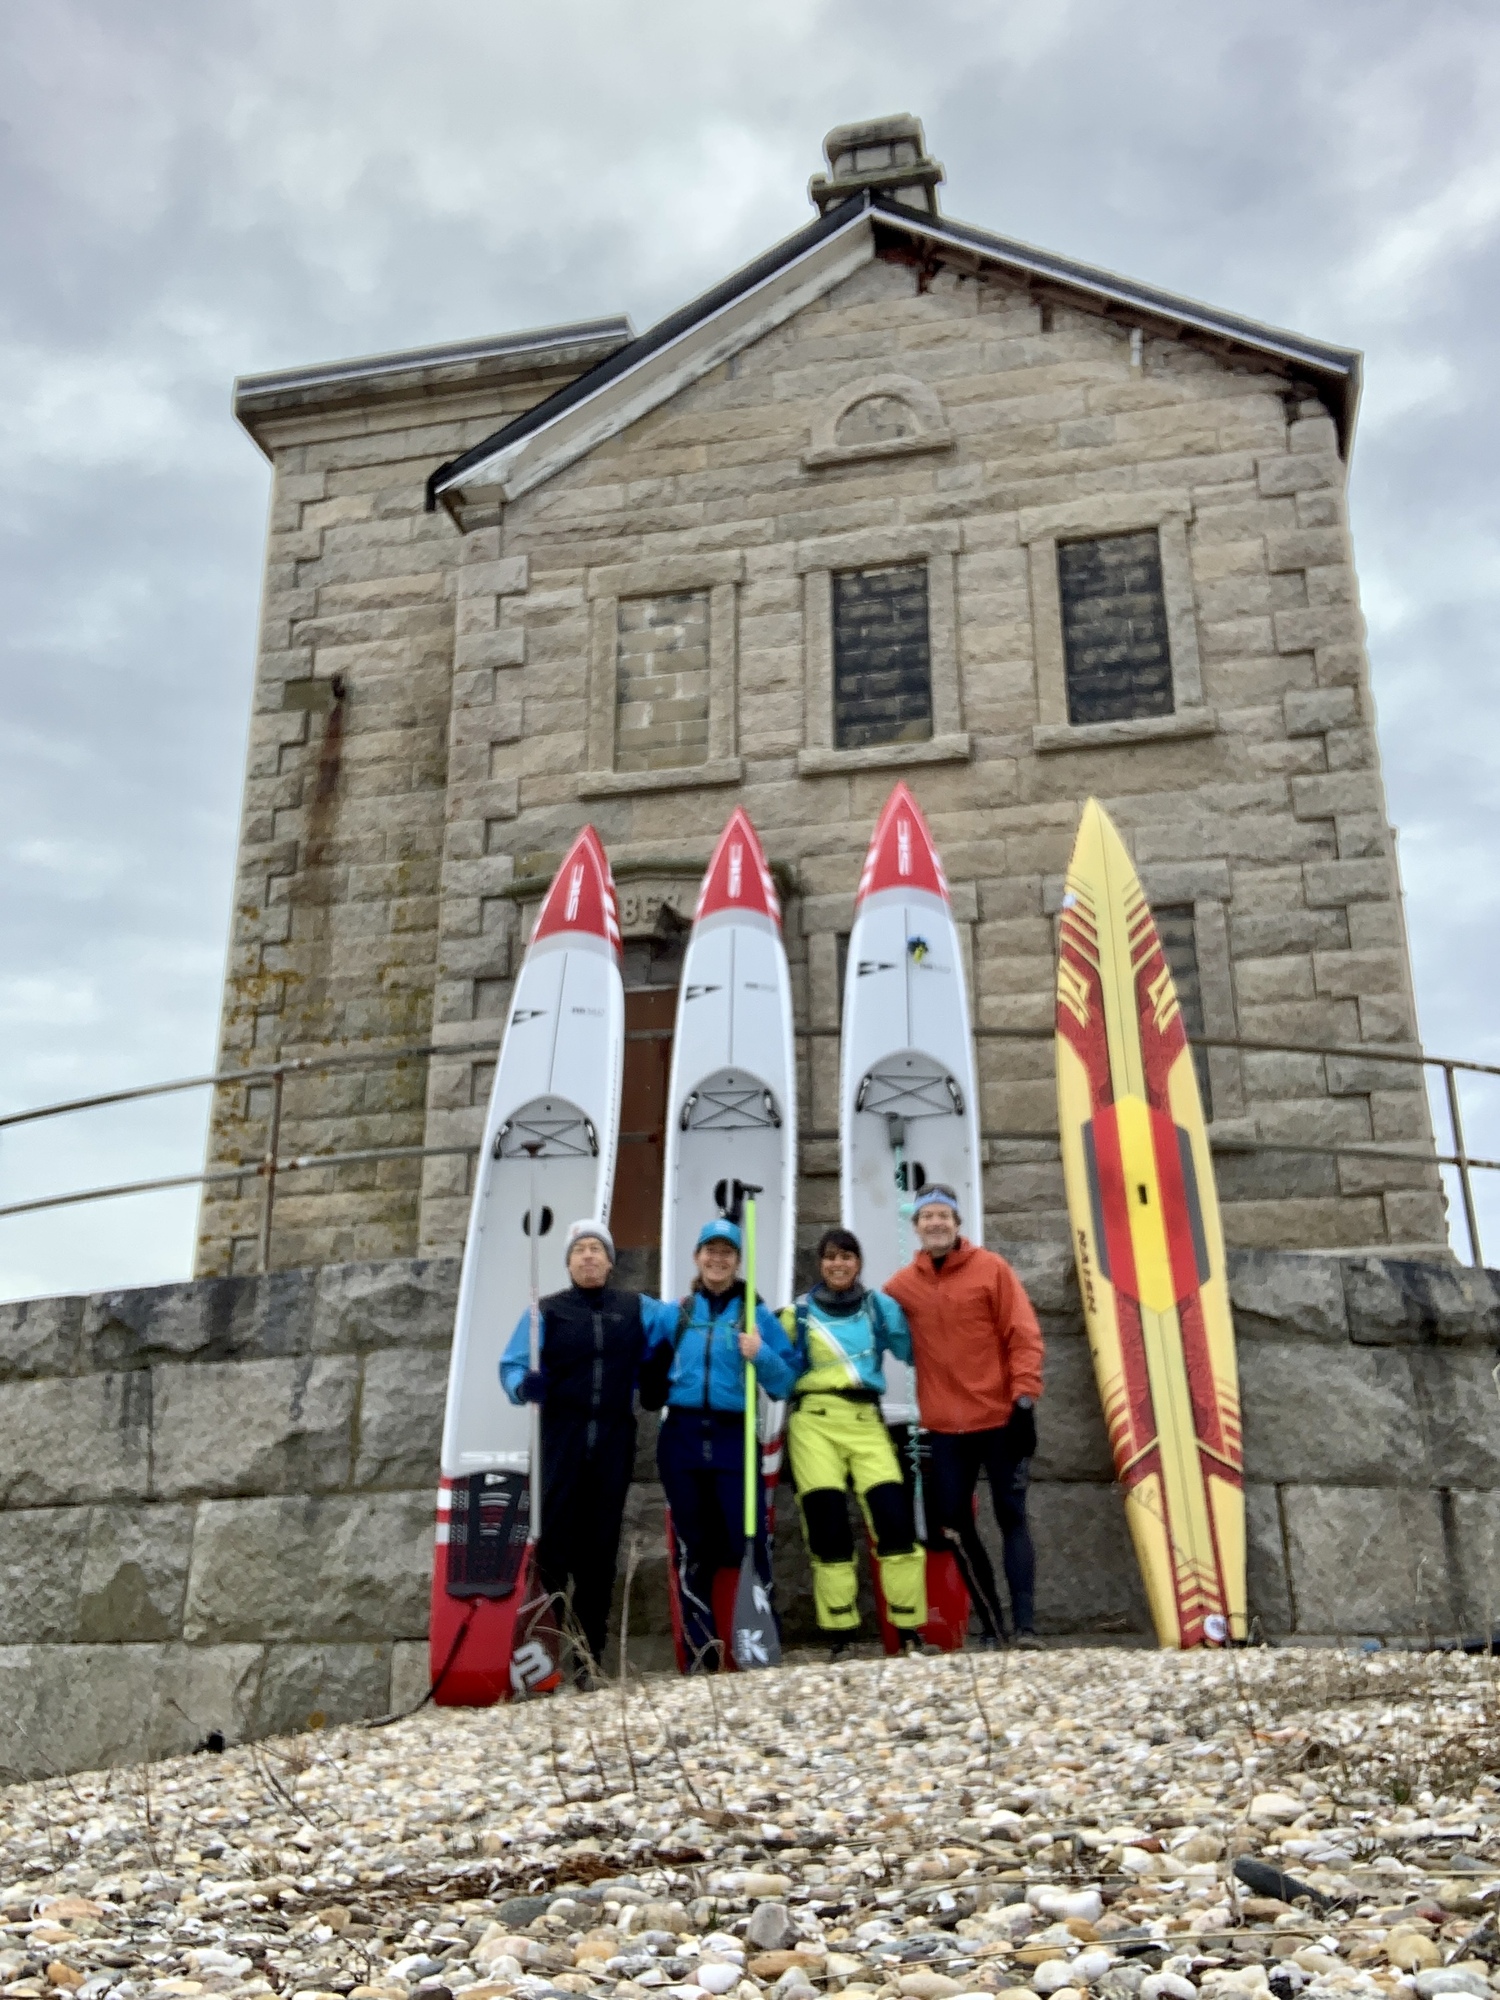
x=635 y=1215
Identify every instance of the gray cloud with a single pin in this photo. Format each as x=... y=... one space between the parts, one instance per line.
x=194 y=192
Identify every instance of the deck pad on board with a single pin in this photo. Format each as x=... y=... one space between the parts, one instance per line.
x=1149 y=1247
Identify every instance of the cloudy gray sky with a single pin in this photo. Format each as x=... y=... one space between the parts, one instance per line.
x=191 y=192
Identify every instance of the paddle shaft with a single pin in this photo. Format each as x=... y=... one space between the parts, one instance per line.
x=534 y=1231
x=896 y=1132
x=752 y=1439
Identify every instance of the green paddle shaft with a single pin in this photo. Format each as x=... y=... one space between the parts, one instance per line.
x=752 y=1440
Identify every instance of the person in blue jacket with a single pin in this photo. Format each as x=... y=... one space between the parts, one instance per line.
x=699 y=1370
x=594 y=1340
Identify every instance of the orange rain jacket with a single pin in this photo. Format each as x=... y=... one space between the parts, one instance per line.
x=974 y=1335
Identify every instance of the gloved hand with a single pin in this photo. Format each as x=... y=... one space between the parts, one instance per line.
x=656 y=1376
x=533 y=1386
x=1022 y=1430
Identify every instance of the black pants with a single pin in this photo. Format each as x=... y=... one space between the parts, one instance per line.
x=702 y=1464
x=957 y=1458
x=584 y=1482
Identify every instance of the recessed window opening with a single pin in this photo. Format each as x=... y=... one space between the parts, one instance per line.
x=661 y=682
x=1114 y=616
x=882 y=656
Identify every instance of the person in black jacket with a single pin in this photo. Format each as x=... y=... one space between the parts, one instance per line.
x=593 y=1340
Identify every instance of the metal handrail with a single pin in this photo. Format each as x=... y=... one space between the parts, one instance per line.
x=270 y=1166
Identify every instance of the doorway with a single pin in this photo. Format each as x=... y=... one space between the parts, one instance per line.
x=652 y=969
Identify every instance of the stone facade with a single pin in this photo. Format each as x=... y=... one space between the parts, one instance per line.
x=216 y=1499
x=939 y=407
x=334 y=932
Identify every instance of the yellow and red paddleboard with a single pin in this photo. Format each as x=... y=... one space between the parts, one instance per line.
x=1149 y=1246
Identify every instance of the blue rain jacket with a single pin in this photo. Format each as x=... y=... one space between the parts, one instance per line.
x=708 y=1370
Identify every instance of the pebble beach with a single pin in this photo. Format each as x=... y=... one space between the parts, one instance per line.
x=1112 y=1823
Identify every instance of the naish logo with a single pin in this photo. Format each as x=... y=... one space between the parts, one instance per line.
x=869 y=965
x=697 y=992
x=527 y=1014
x=1086 y=1271
x=903 y=847
x=736 y=869
x=575 y=890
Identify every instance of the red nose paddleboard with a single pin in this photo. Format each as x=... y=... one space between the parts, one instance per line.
x=732 y=1114
x=908 y=1116
x=548 y=1159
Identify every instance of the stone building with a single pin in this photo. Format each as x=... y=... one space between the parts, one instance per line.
x=900 y=496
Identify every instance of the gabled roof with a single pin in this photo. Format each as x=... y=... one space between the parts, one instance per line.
x=684 y=346
x=485 y=464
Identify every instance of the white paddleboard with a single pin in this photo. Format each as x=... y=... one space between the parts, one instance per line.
x=549 y=1142
x=732 y=1101
x=908 y=1093
x=557 y=1087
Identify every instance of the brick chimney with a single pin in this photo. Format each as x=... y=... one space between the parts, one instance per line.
x=886 y=155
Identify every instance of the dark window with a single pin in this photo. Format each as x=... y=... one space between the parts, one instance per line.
x=1114 y=628
x=1179 y=940
x=841 y=940
x=882 y=667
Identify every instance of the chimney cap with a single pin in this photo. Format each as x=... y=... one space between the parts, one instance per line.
x=881 y=155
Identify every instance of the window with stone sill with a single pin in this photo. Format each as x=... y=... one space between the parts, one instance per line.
x=882 y=656
x=1176 y=926
x=662 y=681
x=1117 y=650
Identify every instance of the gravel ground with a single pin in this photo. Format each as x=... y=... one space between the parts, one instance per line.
x=1090 y=1823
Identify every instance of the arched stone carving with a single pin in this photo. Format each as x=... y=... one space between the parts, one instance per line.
x=884 y=416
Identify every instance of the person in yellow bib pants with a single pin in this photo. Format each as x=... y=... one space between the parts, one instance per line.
x=837 y=1439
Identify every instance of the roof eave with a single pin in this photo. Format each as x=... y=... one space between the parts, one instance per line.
x=1334 y=369
x=424 y=372
x=732 y=301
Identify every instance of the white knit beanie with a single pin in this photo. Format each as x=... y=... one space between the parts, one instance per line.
x=577 y=1231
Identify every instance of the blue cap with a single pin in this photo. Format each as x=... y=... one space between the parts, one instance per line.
x=720 y=1230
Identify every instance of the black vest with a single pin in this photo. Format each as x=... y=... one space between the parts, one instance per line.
x=592 y=1348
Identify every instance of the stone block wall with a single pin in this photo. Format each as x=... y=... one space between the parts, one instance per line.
x=479 y=723
x=1256 y=803
x=348 y=777
x=216 y=1498
x=662 y=697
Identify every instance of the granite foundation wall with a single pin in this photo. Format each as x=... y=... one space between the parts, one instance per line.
x=216 y=1498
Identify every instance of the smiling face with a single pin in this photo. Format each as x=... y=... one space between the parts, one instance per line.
x=717 y=1263
x=937 y=1228
x=838 y=1268
x=588 y=1265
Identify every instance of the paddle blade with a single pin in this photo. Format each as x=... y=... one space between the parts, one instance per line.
x=536 y=1645
x=757 y=1643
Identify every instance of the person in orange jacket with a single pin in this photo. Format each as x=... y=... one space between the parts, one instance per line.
x=978 y=1352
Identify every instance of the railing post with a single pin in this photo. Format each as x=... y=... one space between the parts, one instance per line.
x=268 y=1167
x=1461 y=1157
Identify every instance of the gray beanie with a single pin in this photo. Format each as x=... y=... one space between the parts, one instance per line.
x=577 y=1231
